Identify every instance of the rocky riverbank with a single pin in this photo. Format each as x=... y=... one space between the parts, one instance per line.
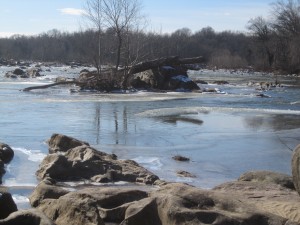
x=81 y=185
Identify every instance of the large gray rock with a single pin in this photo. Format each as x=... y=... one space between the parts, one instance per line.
x=91 y=205
x=46 y=189
x=165 y=78
x=16 y=73
x=296 y=168
x=184 y=204
x=2 y=170
x=62 y=143
x=173 y=203
x=7 y=204
x=6 y=153
x=267 y=193
x=85 y=162
x=27 y=217
x=283 y=180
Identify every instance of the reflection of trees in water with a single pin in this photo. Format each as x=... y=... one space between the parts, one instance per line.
x=274 y=122
x=102 y=122
x=98 y=123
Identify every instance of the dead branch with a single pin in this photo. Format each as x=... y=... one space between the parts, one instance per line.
x=52 y=85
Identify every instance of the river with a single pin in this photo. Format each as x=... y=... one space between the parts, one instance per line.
x=224 y=134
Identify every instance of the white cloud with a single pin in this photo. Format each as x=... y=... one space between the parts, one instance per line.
x=72 y=11
x=9 y=34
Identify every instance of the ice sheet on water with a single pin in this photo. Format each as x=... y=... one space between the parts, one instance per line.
x=196 y=110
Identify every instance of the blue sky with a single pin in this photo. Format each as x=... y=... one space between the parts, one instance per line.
x=38 y=16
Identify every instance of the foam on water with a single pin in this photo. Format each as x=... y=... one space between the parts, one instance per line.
x=33 y=155
x=152 y=163
x=19 y=199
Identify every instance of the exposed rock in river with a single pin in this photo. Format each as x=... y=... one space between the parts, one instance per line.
x=6 y=155
x=80 y=161
x=7 y=204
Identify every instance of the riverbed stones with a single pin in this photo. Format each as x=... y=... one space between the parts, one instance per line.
x=86 y=163
x=296 y=168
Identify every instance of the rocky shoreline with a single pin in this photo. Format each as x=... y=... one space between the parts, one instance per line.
x=114 y=191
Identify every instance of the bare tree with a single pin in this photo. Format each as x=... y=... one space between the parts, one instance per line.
x=94 y=13
x=263 y=33
x=120 y=15
x=286 y=17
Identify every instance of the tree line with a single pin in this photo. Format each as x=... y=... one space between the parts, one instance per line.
x=269 y=45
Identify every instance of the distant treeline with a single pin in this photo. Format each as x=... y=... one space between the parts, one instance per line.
x=269 y=45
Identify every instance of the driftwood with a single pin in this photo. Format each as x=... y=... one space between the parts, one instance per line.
x=52 y=85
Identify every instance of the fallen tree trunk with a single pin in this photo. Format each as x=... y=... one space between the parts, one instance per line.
x=52 y=85
x=170 y=61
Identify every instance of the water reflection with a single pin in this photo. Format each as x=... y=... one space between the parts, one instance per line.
x=113 y=123
x=273 y=122
x=174 y=119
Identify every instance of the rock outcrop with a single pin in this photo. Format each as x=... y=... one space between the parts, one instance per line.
x=82 y=162
x=267 y=191
x=173 y=203
x=94 y=205
x=27 y=217
x=257 y=197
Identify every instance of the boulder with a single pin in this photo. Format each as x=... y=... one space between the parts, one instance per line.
x=27 y=217
x=6 y=153
x=62 y=143
x=164 y=78
x=33 y=72
x=85 y=162
x=46 y=190
x=239 y=202
x=91 y=205
x=267 y=193
x=184 y=204
x=180 y=82
x=2 y=170
x=268 y=177
x=17 y=73
x=296 y=168
x=182 y=173
x=7 y=204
